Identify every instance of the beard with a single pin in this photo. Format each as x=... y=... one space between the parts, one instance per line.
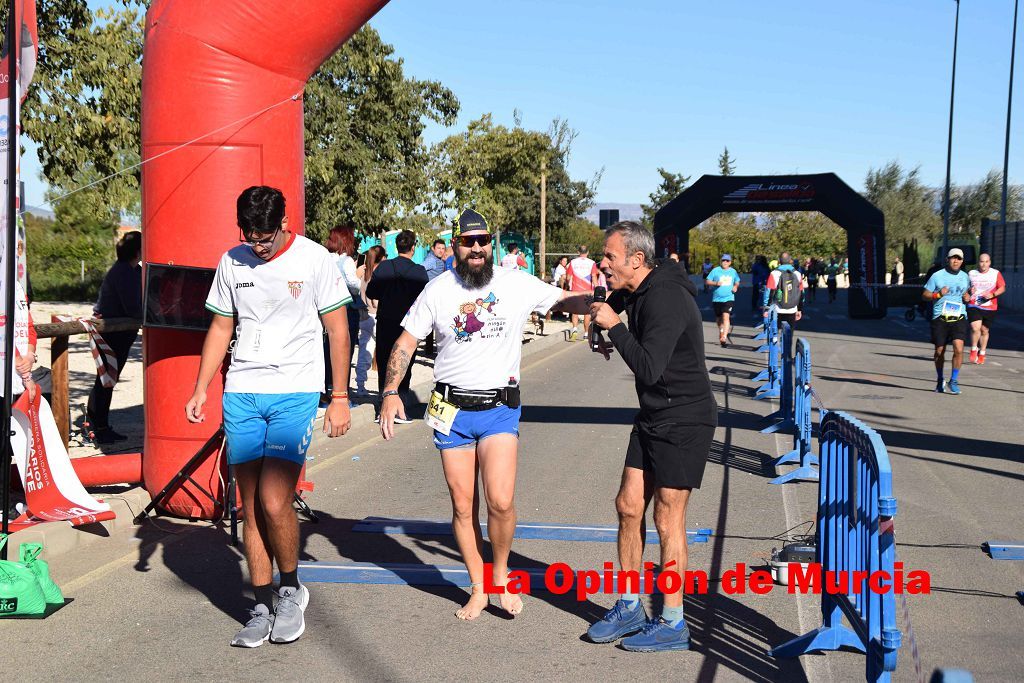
x=474 y=279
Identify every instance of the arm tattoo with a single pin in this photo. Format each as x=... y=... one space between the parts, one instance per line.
x=398 y=365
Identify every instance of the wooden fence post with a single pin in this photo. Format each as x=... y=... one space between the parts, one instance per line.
x=59 y=386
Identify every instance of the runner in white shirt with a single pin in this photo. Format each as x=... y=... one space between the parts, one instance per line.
x=477 y=314
x=279 y=286
x=987 y=285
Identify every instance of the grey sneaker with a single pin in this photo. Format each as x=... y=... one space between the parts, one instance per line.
x=289 y=623
x=257 y=630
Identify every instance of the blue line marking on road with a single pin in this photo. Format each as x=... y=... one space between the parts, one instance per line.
x=533 y=531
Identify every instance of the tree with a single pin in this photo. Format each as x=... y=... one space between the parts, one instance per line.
x=366 y=160
x=909 y=206
x=496 y=170
x=566 y=239
x=83 y=105
x=726 y=164
x=969 y=204
x=669 y=188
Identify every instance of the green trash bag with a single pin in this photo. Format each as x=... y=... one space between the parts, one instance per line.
x=20 y=592
x=30 y=558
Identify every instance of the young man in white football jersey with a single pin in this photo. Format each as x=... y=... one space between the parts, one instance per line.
x=278 y=288
x=476 y=312
x=987 y=285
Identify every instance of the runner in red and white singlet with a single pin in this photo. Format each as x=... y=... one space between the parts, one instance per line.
x=582 y=274
x=987 y=285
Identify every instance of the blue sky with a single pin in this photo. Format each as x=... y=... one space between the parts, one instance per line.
x=788 y=86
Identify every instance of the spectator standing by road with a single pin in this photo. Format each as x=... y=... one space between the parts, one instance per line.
x=120 y=297
x=725 y=282
x=395 y=285
x=705 y=271
x=513 y=259
x=897 y=273
x=986 y=285
x=368 y=325
x=759 y=273
x=341 y=243
x=435 y=265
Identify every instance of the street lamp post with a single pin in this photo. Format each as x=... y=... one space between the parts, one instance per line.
x=949 y=144
x=1009 y=103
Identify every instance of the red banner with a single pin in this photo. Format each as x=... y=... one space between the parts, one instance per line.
x=53 y=492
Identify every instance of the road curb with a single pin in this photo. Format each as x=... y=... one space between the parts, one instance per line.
x=59 y=538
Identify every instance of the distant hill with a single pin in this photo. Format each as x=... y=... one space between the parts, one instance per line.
x=41 y=213
x=627 y=212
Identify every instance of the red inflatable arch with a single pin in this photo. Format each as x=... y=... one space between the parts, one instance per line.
x=209 y=66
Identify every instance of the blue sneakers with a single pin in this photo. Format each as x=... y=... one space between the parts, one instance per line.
x=619 y=621
x=953 y=386
x=659 y=636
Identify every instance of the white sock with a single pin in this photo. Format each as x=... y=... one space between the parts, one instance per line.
x=981 y=353
x=974 y=348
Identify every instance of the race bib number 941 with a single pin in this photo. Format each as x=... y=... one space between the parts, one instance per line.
x=440 y=414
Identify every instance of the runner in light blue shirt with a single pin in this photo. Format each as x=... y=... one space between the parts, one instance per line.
x=949 y=291
x=725 y=281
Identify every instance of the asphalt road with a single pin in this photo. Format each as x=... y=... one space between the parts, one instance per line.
x=167 y=609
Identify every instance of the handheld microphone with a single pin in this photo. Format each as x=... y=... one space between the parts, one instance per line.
x=596 y=336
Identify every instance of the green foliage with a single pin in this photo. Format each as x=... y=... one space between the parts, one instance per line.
x=566 y=239
x=726 y=163
x=84 y=102
x=55 y=256
x=496 y=170
x=669 y=188
x=744 y=236
x=970 y=204
x=366 y=160
x=909 y=206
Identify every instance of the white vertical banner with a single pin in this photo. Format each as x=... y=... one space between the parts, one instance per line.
x=28 y=48
x=28 y=53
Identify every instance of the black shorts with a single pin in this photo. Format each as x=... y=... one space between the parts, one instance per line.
x=722 y=307
x=674 y=453
x=985 y=316
x=944 y=331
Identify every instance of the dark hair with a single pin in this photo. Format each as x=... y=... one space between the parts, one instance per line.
x=405 y=241
x=437 y=242
x=129 y=246
x=512 y=247
x=342 y=240
x=260 y=210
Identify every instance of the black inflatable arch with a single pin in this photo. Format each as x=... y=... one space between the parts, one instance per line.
x=824 y=192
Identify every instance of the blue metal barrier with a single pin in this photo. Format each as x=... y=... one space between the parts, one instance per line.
x=774 y=348
x=855 y=533
x=802 y=400
x=785 y=412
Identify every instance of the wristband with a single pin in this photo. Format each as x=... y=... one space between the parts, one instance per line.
x=339 y=394
x=936 y=296
x=389 y=393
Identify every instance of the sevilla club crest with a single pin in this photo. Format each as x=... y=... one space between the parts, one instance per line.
x=295 y=287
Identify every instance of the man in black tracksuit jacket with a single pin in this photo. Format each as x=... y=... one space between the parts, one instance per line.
x=673 y=432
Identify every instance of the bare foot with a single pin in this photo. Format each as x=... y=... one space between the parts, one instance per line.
x=478 y=600
x=510 y=602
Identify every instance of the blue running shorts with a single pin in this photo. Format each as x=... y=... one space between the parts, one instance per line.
x=269 y=425
x=471 y=426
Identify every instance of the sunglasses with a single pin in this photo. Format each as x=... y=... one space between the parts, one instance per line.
x=468 y=241
x=266 y=244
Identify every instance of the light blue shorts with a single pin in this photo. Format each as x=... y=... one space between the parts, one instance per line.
x=269 y=425
x=471 y=426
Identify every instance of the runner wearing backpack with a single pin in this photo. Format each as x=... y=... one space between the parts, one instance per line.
x=785 y=291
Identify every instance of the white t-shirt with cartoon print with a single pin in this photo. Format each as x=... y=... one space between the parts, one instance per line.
x=277 y=304
x=479 y=332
